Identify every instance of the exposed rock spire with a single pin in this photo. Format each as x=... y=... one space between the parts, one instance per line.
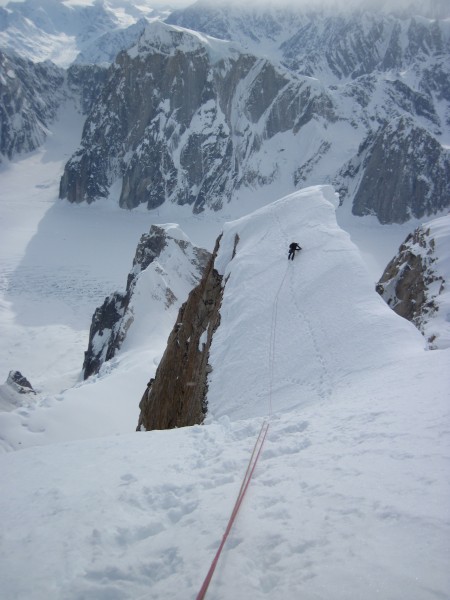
x=177 y=395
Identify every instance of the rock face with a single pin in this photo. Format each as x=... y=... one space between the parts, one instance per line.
x=86 y=83
x=342 y=45
x=30 y=95
x=165 y=261
x=16 y=392
x=187 y=119
x=177 y=395
x=405 y=173
x=19 y=383
x=180 y=120
x=412 y=284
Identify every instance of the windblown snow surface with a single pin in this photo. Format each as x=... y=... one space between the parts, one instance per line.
x=351 y=496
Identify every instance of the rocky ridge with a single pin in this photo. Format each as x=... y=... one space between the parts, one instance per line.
x=30 y=95
x=223 y=122
x=164 y=261
x=197 y=113
x=176 y=397
x=400 y=172
x=414 y=286
x=322 y=42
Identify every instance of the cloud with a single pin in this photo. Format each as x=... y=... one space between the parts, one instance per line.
x=431 y=8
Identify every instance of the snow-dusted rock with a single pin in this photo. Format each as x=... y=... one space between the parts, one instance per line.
x=85 y=83
x=165 y=268
x=14 y=391
x=191 y=119
x=29 y=98
x=415 y=282
x=400 y=171
x=199 y=116
x=20 y=383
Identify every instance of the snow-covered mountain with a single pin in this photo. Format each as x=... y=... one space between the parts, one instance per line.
x=201 y=117
x=224 y=124
x=317 y=277
x=296 y=98
x=330 y=44
x=60 y=31
x=30 y=95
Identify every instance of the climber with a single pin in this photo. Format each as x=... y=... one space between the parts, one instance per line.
x=292 y=248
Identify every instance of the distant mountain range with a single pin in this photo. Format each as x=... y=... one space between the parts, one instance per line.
x=276 y=100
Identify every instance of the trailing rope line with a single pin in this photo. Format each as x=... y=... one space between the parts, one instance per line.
x=256 y=450
x=273 y=328
x=244 y=486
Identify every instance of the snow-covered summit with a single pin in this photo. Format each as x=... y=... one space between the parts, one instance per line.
x=171 y=39
x=52 y=29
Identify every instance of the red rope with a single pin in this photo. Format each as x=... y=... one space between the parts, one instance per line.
x=244 y=486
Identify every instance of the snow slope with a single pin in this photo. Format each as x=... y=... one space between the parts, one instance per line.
x=329 y=322
x=351 y=497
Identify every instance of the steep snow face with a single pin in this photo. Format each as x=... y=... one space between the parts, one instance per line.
x=305 y=326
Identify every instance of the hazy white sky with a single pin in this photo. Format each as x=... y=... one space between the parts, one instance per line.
x=149 y=2
x=391 y=4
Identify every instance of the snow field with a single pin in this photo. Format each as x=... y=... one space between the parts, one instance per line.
x=349 y=500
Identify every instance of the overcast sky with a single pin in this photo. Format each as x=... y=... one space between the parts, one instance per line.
x=443 y=5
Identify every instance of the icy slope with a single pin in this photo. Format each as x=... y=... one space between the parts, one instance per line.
x=327 y=322
x=350 y=499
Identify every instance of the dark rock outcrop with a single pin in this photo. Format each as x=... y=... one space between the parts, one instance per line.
x=177 y=395
x=86 y=82
x=410 y=283
x=403 y=172
x=112 y=320
x=30 y=95
x=106 y=333
x=176 y=123
x=20 y=383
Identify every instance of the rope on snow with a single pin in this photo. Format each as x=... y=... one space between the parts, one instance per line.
x=256 y=450
x=244 y=486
